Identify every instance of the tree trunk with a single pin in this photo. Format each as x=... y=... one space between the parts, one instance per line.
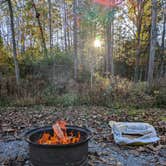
x=75 y=40
x=71 y=34
x=41 y=29
x=65 y=24
x=50 y=24
x=162 y=69
x=68 y=30
x=17 y=71
x=57 y=37
x=22 y=43
x=138 y=49
x=137 y=62
x=152 y=43
x=109 y=59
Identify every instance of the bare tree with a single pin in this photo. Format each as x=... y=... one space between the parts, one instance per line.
x=152 y=42
x=17 y=71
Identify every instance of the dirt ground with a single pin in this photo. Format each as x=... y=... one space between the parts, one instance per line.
x=103 y=151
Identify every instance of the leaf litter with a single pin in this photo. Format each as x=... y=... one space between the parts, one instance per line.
x=103 y=151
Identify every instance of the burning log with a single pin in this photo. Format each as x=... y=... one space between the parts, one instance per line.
x=60 y=135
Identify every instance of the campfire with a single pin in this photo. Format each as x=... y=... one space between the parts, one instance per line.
x=58 y=145
x=60 y=135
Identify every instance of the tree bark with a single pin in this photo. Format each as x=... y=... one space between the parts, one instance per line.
x=152 y=43
x=75 y=40
x=109 y=59
x=138 y=49
x=163 y=64
x=65 y=25
x=17 y=71
x=40 y=27
x=68 y=30
x=137 y=62
x=50 y=23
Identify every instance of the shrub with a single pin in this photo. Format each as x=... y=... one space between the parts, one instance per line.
x=32 y=63
x=69 y=99
x=64 y=100
x=117 y=92
x=4 y=101
x=160 y=96
x=109 y=92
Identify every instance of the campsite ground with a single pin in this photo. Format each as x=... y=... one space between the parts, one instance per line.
x=103 y=151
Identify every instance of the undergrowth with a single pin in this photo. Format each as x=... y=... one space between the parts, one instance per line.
x=112 y=92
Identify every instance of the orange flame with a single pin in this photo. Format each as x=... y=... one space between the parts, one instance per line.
x=60 y=135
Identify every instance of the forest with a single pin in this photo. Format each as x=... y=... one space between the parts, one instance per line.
x=113 y=52
x=92 y=60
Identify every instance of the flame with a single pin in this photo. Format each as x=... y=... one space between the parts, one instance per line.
x=60 y=135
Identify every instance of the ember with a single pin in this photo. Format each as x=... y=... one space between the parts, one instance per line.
x=60 y=135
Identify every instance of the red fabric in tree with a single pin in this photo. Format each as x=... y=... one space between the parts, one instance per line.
x=109 y=3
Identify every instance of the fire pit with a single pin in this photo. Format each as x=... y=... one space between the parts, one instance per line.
x=57 y=153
